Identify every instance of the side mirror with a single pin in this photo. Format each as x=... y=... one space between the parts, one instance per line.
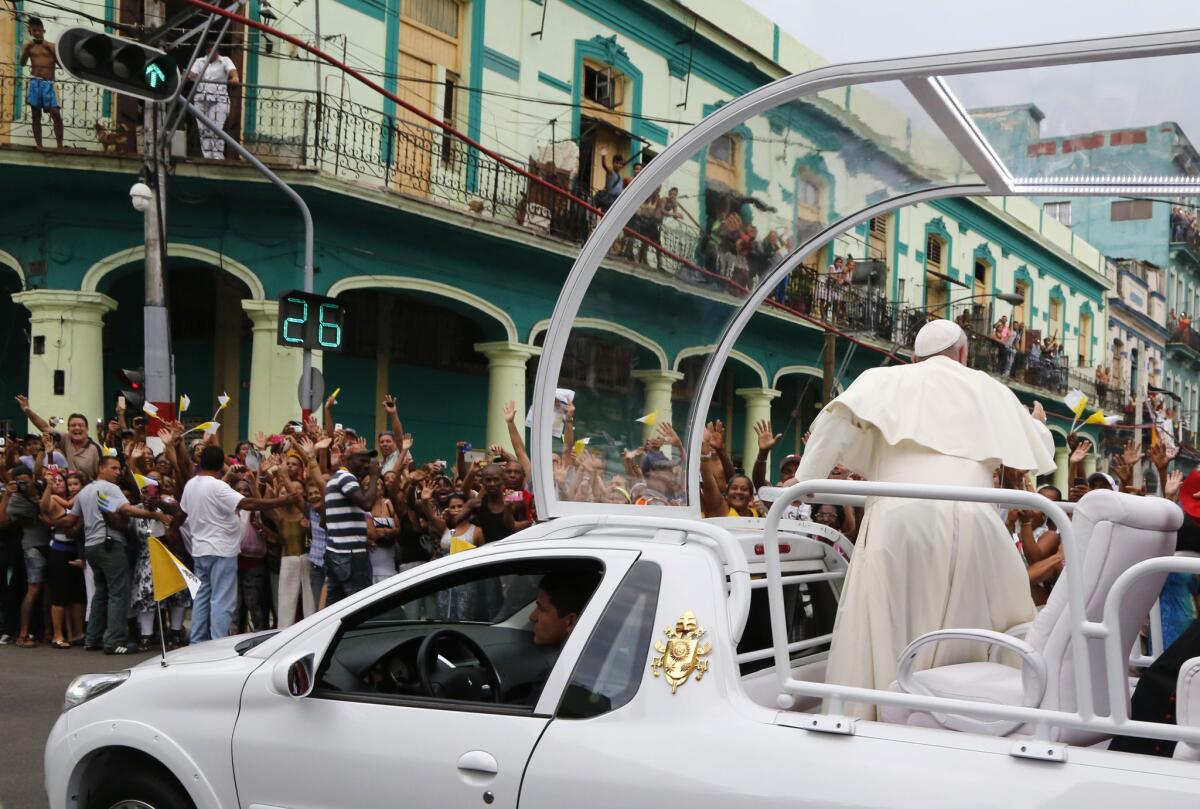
x=294 y=676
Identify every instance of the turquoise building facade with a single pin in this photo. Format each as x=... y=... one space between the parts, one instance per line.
x=449 y=261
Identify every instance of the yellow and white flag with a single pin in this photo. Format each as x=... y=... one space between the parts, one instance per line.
x=149 y=409
x=143 y=481
x=185 y=402
x=168 y=573
x=1099 y=418
x=1077 y=401
x=206 y=427
x=580 y=444
x=459 y=545
x=650 y=419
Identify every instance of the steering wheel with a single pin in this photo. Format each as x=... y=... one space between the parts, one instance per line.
x=478 y=683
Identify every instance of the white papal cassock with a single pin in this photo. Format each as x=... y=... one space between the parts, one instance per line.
x=923 y=565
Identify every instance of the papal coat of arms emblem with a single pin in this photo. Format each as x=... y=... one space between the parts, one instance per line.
x=682 y=653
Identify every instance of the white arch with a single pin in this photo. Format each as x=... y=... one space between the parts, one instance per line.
x=1057 y=430
x=597 y=324
x=431 y=287
x=96 y=273
x=788 y=370
x=752 y=364
x=10 y=261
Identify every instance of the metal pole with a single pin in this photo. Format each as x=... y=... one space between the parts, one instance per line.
x=317 y=62
x=156 y=340
x=230 y=143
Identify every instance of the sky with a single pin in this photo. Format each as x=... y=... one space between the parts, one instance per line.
x=1075 y=99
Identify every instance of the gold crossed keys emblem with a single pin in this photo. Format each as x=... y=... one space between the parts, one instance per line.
x=681 y=654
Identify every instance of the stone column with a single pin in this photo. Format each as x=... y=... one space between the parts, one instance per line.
x=274 y=371
x=506 y=383
x=1062 y=462
x=1089 y=464
x=66 y=337
x=658 y=384
x=758 y=408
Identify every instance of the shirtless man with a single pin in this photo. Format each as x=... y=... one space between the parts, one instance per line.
x=42 y=62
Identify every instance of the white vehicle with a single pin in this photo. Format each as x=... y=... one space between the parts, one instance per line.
x=693 y=675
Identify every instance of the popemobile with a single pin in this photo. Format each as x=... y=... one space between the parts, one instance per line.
x=620 y=656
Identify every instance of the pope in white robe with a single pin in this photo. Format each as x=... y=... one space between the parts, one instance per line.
x=921 y=565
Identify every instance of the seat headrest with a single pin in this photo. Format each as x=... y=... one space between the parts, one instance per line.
x=1147 y=513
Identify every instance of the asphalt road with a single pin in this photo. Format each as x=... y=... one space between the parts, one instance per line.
x=32 y=682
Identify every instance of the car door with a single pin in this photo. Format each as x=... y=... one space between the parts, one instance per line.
x=348 y=746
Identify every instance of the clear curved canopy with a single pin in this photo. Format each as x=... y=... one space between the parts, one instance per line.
x=706 y=232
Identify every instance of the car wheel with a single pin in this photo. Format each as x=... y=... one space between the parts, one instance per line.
x=140 y=790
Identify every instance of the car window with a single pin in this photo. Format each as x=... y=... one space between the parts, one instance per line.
x=486 y=636
x=809 y=611
x=611 y=666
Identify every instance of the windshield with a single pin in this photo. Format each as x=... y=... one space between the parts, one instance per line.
x=732 y=224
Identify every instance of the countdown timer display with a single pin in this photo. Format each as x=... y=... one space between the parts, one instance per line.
x=310 y=321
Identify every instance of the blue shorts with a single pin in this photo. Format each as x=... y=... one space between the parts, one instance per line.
x=41 y=94
x=35 y=566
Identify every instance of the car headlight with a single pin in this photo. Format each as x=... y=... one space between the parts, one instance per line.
x=89 y=686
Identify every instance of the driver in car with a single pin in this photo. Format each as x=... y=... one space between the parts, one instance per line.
x=561 y=597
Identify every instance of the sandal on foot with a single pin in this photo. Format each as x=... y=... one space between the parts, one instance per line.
x=60 y=644
x=27 y=643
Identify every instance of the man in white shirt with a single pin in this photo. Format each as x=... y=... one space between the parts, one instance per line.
x=215 y=74
x=210 y=518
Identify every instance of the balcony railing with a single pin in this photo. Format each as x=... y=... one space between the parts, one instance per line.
x=1185 y=336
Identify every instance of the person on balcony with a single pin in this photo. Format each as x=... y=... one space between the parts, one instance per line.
x=921 y=565
x=216 y=73
x=40 y=96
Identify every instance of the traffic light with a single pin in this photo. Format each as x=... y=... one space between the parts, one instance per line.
x=127 y=67
x=133 y=383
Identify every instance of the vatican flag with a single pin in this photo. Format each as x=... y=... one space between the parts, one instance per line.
x=459 y=545
x=1077 y=401
x=650 y=419
x=168 y=573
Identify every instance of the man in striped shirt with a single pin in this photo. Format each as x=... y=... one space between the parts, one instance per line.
x=347 y=509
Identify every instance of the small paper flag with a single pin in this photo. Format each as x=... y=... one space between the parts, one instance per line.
x=168 y=573
x=580 y=444
x=184 y=403
x=143 y=481
x=208 y=427
x=650 y=419
x=223 y=400
x=1077 y=401
x=108 y=452
x=335 y=393
x=149 y=409
x=1099 y=418
x=459 y=545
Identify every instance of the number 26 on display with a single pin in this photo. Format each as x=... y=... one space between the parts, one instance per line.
x=310 y=321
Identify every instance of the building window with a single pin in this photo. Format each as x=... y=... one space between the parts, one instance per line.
x=1132 y=209
x=602 y=85
x=1060 y=211
x=1085 y=340
x=1020 y=311
x=440 y=15
x=937 y=288
x=878 y=236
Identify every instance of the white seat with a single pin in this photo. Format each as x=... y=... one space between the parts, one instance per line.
x=1187 y=706
x=1114 y=532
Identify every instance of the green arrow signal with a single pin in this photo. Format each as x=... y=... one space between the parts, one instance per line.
x=155 y=76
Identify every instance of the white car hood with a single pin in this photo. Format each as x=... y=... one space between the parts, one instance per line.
x=207 y=651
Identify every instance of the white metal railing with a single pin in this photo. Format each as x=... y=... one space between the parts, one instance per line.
x=1040 y=719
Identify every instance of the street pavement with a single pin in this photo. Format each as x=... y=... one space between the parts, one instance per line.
x=32 y=682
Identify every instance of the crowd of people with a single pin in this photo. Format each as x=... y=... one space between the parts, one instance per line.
x=288 y=523
x=275 y=530
x=1026 y=354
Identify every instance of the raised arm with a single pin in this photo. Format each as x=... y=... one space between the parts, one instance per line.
x=42 y=425
x=514 y=435
x=766 y=442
